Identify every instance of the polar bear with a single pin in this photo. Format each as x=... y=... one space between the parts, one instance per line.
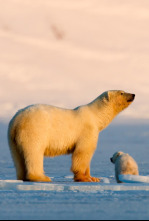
x=40 y=131
x=124 y=165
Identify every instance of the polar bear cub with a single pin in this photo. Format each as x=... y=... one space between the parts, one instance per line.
x=40 y=131
x=124 y=165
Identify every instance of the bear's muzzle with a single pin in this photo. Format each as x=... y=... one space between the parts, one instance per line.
x=130 y=97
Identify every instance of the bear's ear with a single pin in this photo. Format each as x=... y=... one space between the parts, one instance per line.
x=119 y=154
x=105 y=96
x=110 y=95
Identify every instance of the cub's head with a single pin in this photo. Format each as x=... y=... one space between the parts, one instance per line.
x=116 y=156
x=119 y=100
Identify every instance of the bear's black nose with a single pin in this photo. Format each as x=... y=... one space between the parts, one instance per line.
x=111 y=160
x=131 y=97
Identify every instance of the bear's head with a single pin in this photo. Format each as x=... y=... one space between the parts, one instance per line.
x=120 y=100
x=116 y=156
x=109 y=104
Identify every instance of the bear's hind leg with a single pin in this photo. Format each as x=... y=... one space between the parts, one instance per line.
x=34 y=167
x=19 y=163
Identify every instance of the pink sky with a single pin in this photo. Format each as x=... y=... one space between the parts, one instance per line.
x=67 y=52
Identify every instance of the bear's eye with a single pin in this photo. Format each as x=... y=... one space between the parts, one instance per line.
x=122 y=93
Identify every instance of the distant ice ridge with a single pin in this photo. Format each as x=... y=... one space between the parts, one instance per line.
x=69 y=187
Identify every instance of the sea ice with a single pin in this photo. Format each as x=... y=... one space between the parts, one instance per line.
x=133 y=179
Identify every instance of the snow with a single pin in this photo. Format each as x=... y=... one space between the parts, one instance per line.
x=65 y=53
x=65 y=200
x=133 y=179
x=14 y=185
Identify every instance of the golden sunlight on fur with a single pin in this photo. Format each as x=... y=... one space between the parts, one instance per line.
x=43 y=130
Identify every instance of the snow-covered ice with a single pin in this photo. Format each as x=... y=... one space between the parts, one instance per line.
x=63 y=199
x=70 y=187
x=133 y=179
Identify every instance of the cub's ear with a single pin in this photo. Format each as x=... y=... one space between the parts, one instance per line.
x=119 y=154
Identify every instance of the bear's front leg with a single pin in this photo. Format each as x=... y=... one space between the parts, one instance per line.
x=81 y=158
x=94 y=179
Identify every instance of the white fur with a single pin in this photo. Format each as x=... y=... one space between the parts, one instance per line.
x=124 y=165
x=43 y=130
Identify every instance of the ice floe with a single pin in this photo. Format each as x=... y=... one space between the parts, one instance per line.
x=133 y=179
x=15 y=185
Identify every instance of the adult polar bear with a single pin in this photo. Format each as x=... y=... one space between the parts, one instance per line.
x=43 y=130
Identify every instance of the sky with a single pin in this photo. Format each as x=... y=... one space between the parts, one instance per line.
x=67 y=52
